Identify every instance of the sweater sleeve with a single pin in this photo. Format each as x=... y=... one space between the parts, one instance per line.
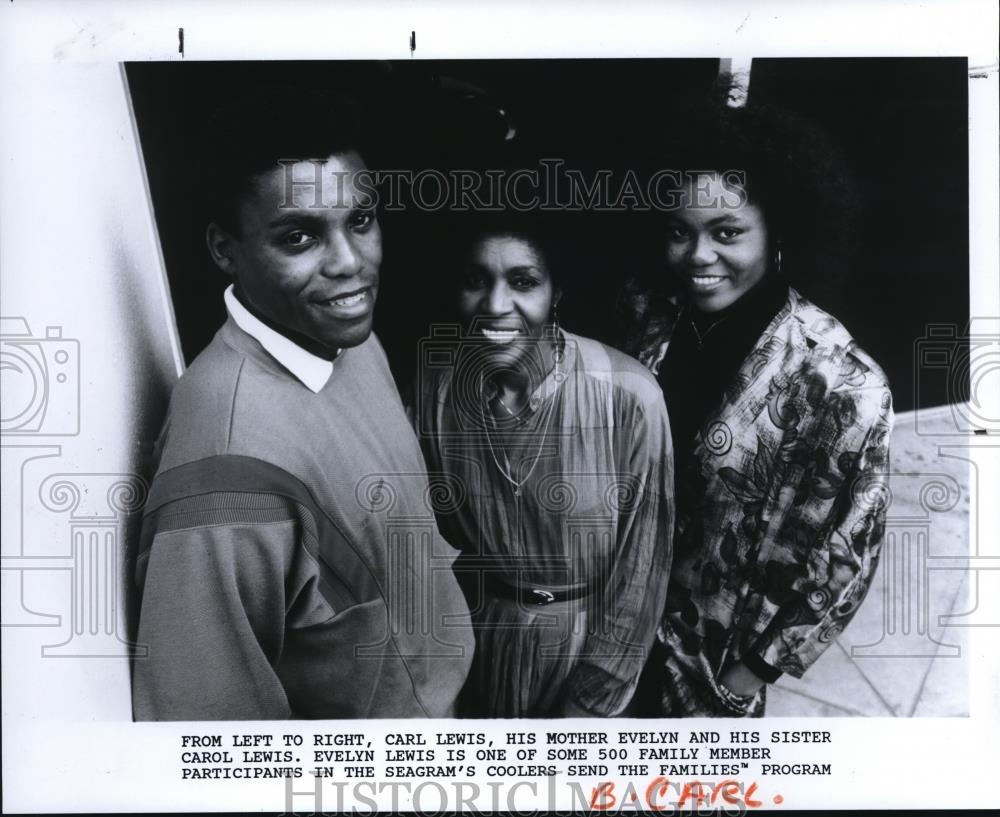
x=213 y=614
x=630 y=603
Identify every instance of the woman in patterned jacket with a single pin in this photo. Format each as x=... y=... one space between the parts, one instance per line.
x=780 y=421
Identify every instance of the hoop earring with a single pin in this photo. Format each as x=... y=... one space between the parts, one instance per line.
x=776 y=261
x=558 y=353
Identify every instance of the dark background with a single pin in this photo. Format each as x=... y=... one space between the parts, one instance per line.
x=901 y=124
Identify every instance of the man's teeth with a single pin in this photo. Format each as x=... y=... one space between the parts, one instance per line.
x=501 y=335
x=708 y=279
x=350 y=300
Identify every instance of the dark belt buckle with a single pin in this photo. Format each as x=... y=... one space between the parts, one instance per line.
x=541 y=596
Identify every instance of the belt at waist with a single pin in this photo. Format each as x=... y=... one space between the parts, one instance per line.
x=526 y=593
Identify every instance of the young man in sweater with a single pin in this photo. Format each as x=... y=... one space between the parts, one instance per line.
x=289 y=564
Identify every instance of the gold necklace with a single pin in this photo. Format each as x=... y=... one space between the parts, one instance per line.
x=505 y=407
x=699 y=337
x=507 y=473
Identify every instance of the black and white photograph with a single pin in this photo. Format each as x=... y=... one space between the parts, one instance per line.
x=381 y=421
x=638 y=425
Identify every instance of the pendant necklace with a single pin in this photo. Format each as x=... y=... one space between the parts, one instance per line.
x=700 y=336
x=507 y=409
x=508 y=472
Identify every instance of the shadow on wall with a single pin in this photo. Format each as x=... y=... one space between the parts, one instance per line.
x=56 y=407
x=151 y=384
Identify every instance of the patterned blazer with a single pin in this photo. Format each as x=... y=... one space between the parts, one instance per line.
x=785 y=509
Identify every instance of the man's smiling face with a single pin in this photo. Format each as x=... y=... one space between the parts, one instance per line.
x=311 y=272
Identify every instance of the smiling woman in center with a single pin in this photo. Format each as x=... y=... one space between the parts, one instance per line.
x=558 y=452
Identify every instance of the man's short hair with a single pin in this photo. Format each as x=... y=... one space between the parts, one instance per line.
x=249 y=134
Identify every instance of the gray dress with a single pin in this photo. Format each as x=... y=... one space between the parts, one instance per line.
x=588 y=530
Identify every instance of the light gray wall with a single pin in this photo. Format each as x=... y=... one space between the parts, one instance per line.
x=79 y=254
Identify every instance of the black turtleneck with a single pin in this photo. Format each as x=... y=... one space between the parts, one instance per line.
x=695 y=373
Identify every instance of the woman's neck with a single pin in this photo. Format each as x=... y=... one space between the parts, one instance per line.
x=514 y=385
x=770 y=290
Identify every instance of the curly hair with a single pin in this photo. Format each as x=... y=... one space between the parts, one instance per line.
x=793 y=172
x=545 y=233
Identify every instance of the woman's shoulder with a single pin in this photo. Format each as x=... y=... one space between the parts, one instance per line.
x=606 y=366
x=829 y=338
x=853 y=371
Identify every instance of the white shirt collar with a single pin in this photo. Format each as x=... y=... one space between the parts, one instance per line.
x=313 y=371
